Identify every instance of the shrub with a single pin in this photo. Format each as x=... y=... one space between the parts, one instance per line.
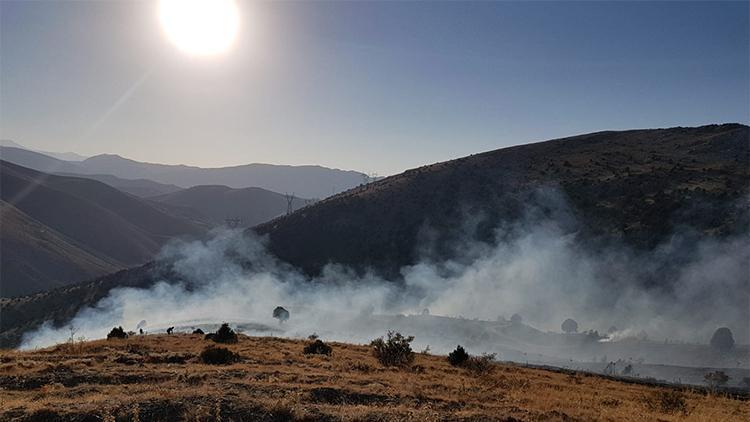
x=224 y=334
x=198 y=331
x=317 y=347
x=569 y=326
x=458 y=357
x=668 y=401
x=117 y=332
x=395 y=351
x=218 y=356
x=480 y=365
x=722 y=340
x=716 y=379
x=516 y=319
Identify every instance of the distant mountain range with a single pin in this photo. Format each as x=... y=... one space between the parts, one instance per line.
x=67 y=156
x=57 y=229
x=302 y=181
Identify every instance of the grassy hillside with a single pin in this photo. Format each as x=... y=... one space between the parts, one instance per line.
x=635 y=187
x=161 y=377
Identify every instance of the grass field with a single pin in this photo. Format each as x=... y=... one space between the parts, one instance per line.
x=161 y=377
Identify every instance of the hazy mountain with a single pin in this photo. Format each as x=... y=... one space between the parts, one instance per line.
x=36 y=161
x=35 y=257
x=66 y=156
x=142 y=188
x=217 y=203
x=115 y=227
x=41 y=162
x=634 y=187
x=637 y=187
x=303 y=181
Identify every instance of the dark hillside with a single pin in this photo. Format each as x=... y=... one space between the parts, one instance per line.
x=40 y=257
x=104 y=224
x=637 y=186
x=217 y=203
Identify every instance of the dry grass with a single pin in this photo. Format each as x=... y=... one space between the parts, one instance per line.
x=161 y=378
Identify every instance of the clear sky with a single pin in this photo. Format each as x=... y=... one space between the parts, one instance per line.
x=377 y=87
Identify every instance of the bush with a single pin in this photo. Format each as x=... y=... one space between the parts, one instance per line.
x=317 y=347
x=569 y=326
x=198 y=331
x=224 y=334
x=716 y=379
x=395 y=351
x=722 y=340
x=480 y=365
x=117 y=332
x=218 y=356
x=458 y=357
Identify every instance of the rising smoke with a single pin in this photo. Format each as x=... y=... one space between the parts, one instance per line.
x=537 y=268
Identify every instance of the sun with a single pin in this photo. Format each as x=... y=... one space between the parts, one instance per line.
x=200 y=27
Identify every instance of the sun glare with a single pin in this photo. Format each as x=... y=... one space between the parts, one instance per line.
x=200 y=27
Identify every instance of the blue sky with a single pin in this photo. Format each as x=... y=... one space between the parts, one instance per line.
x=377 y=87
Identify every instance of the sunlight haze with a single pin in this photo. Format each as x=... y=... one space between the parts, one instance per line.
x=365 y=86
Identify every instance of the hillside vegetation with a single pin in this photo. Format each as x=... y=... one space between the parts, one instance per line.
x=636 y=188
x=163 y=377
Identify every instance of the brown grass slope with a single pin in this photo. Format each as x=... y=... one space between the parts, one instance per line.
x=635 y=187
x=161 y=378
x=41 y=256
x=99 y=219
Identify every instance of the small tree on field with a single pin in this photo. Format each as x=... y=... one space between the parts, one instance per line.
x=722 y=340
x=569 y=326
x=281 y=314
x=458 y=357
x=516 y=319
x=317 y=347
x=225 y=334
x=117 y=332
x=395 y=351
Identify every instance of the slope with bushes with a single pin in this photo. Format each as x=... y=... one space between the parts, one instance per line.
x=184 y=377
x=636 y=187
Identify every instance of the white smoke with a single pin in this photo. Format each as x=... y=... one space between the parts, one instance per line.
x=538 y=270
